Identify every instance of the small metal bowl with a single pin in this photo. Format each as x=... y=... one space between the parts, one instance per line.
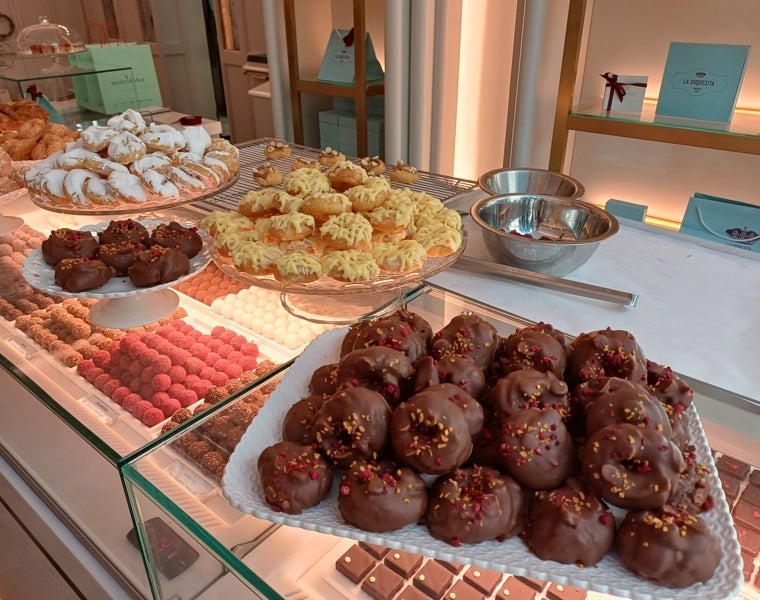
x=545 y=234
x=530 y=181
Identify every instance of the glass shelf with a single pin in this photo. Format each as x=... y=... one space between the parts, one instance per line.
x=23 y=73
x=741 y=134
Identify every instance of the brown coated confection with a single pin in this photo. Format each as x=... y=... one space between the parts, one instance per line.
x=560 y=591
x=402 y=330
x=297 y=422
x=536 y=448
x=515 y=589
x=81 y=274
x=668 y=387
x=634 y=406
x=569 y=525
x=293 y=477
x=430 y=433
x=534 y=347
x=351 y=424
x=668 y=547
x=377 y=368
x=158 y=265
x=474 y=504
x=456 y=369
x=120 y=256
x=605 y=353
x=354 y=564
x=173 y=235
x=433 y=579
x=461 y=590
x=467 y=334
x=631 y=467
x=68 y=243
x=381 y=496
x=484 y=580
x=403 y=563
x=382 y=583
x=530 y=388
x=125 y=230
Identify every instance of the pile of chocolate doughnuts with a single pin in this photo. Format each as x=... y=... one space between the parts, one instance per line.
x=578 y=447
x=86 y=260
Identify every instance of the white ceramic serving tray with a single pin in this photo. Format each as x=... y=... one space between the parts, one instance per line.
x=241 y=486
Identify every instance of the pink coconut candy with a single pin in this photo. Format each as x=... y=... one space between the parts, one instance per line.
x=101 y=358
x=193 y=365
x=199 y=350
x=130 y=401
x=138 y=410
x=152 y=417
x=187 y=397
x=201 y=387
x=177 y=374
x=120 y=393
x=249 y=349
x=248 y=363
x=170 y=406
x=158 y=398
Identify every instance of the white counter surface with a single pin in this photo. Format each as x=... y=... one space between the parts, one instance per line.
x=698 y=309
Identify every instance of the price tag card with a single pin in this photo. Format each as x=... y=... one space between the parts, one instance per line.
x=191 y=480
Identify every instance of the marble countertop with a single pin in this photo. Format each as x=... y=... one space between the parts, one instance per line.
x=698 y=309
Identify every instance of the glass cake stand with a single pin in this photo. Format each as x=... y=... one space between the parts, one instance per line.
x=329 y=301
x=120 y=305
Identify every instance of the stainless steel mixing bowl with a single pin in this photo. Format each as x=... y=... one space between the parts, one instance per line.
x=546 y=234
x=530 y=181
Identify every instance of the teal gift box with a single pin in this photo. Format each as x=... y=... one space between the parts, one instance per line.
x=724 y=221
x=338 y=60
x=114 y=91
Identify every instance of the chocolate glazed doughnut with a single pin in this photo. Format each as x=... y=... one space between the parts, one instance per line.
x=569 y=525
x=668 y=547
x=530 y=388
x=631 y=467
x=377 y=368
x=474 y=504
x=469 y=335
x=605 y=353
x=402 y=330
x=456 y=369
x=536 y=448
x=473 y=411
x=633 y=406
x=381 y=496
x=293 y=477
x=535 y=347
x=429 y=433
x=352 y=424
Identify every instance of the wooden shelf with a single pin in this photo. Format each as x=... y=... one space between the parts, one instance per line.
x=359 y=91
x=741 y=135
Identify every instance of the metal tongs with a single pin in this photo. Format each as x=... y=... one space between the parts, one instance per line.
x=567 y=286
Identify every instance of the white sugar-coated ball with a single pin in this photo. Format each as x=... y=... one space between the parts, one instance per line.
x=291 y=341
x=246 y=320
x=216 y=305
x=305 y=335
x=267 y=330
x=239 y=313
x=279 y=336
x=226 y=311
x=294 y=326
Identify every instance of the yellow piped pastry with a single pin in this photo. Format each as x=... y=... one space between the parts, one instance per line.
x=347 y=231
x=256 y=258
x=439 y=241
x=300 y=266
x=400 y=257
x=350 y=265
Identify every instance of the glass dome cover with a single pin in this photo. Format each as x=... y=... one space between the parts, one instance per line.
x=48 y=38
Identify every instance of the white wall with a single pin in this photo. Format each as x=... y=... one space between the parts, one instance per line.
x=632 y=38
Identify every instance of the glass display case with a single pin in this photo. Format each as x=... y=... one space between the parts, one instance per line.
x=53 y=77
x=177 y=534
x=228 y=552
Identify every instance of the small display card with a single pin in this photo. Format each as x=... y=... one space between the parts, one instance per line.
x=624 y=93
x=702 y=81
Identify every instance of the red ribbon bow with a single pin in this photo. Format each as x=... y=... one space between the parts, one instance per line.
x=348 y=39
x=617 y=87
